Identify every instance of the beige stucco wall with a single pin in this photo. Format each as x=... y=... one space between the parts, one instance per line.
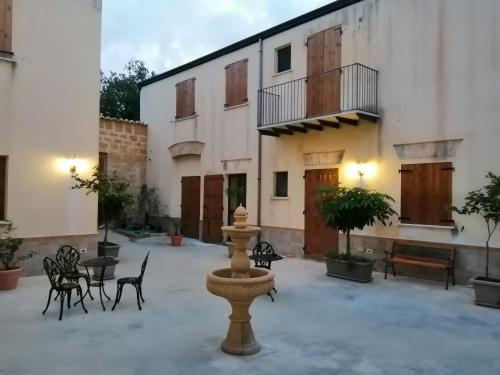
x=438 y=64
x=49 y=111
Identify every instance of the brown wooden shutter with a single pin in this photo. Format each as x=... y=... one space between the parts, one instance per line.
x=236 y=83
x=185 y=94
x=426 y=193
x=3 y=185
x=103 y=162
x=6 y=26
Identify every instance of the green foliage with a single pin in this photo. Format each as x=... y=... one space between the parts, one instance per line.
x=346 y=209
x=177 y=225
x=113 y=197
x=148 y=201
x=120 y=93
x=486 y=203
x=9 y=246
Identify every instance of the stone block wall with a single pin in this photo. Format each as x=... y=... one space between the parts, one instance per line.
x=125 y=144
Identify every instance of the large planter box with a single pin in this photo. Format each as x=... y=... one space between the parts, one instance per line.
x=486 y=291
x=357 y=271
x=111 y=250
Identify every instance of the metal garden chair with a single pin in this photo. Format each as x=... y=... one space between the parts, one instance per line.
x=136 y=282
x=263 y=254
x=67 y=258
x=55 y=275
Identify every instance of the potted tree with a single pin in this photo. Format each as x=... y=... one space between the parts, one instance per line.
x=9 y=246
x=346 y=209
x=485 y=202
x=176 y=238
x=113 y=199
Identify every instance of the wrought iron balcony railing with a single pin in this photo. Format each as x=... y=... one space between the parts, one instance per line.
x=346 y=89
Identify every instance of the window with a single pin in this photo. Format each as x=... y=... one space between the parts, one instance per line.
x=185 y=99
x=236 y=83
x=426 y=193
x=3 y=185
x=283 y=59
x=6 y=27
x=281 y=184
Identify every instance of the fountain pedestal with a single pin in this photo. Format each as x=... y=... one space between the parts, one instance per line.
x=240 y=284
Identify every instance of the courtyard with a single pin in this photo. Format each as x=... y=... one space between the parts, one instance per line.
x=318 y=324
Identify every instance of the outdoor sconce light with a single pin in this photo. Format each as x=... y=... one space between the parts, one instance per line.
x=72 y=165
x=361 y=169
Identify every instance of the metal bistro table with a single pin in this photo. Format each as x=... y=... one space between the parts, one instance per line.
x=101 y=262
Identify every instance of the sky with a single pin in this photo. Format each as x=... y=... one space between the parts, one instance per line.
x=168 y=33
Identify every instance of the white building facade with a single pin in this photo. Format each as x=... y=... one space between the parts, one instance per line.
x=396 y=96
x=49 y=121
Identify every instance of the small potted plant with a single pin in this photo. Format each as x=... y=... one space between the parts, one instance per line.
x=346 y=209
x=485 y=202
x=9 y=246
x=176 y=238
x=113 y=199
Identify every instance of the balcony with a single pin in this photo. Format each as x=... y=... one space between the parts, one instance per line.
x=345 y=95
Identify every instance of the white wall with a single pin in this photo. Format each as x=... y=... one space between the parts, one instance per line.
x=49 y=111
x=439 y=65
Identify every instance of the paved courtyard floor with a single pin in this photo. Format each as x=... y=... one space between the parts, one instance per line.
x=318 y=324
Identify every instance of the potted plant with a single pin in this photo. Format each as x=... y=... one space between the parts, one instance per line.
x=9 y=246
x=346 y=209
x=113 y=199
x=486 y=203
x=176 y=238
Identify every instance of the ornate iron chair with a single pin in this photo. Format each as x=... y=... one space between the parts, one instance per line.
x=55 y=275
x=67 y=258
x=136 y=282
x=262 y=254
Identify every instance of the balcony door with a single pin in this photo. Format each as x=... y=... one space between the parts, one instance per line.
x=323 y=72
x=318 y=238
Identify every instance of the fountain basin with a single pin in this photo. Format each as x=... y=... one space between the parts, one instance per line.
x=220 y=283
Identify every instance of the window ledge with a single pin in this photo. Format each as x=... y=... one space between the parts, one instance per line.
x=448 y=227
x=236 y=106
x=283 y=72
x=185 y=118
x=273 y=198
x=7 y=58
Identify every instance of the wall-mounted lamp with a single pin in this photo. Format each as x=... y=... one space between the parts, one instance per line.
x=72 y=165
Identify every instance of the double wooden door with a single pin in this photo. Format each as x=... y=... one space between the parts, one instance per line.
x=3 y=185
x=190 y=206
x=213 y=208
x=318 y=238
x=323 y=72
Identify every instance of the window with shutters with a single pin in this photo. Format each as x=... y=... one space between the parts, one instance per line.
x=426 y=193
x=283 y=59
x=6 y=27
x=3 y=186
x=185 y=99
x=236 y=83
x=281 y=184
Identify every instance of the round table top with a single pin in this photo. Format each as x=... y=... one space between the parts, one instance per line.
x=264 y=257
x=99 y=262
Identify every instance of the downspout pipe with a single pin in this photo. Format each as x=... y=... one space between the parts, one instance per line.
x=259 y=151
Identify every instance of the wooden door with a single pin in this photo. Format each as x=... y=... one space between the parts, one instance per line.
x=213 y=208
x=237 y=194
x=190 y=206
x=318 y=238
x=3 y=185
x=323 y=72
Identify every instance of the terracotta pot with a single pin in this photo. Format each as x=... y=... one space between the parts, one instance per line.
x=176 y=240
x=9 y=278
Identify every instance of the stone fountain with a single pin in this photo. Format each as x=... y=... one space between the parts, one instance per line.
x=240 y=284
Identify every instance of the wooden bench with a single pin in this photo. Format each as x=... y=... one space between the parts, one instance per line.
x=432 y=255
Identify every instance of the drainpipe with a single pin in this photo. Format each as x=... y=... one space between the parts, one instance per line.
x=259 y=152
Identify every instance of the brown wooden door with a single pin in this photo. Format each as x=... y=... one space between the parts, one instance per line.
x=318 y=238
x=190 y=206
x=323 y=72
x=3 y=184
x=213 y=208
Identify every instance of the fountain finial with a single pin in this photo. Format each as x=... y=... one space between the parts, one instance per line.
x=240 y=217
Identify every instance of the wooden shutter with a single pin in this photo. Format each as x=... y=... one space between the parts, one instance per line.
x=185 y=98
x=3 y=184
x=236 y=83
x=103 y=162
x=426 y=193
x=6 y=26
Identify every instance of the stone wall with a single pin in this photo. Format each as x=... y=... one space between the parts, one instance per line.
x=125 y=143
